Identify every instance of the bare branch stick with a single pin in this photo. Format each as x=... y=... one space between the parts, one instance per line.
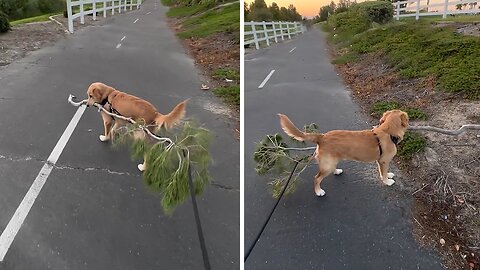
x=130 y=120
x=446 y=131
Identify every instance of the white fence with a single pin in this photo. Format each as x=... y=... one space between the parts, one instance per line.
x=82 y=8
x=256 y=32
x=418 y=8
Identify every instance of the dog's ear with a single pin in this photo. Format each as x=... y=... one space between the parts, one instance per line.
x=404 y=118
x=96 y=94
x=384 y=117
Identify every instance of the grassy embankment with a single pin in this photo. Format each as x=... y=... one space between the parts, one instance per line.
x=204 y=20
x=414 y=49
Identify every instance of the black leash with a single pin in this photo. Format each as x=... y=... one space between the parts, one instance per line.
x=201 y=239
x=271 y=213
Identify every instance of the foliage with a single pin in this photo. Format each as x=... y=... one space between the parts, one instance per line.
x=229 y=94
x=224 y=19
x=41 y=18
x=276 y=158
x=226 y=73
x=20 y=9
x=379 y=108
x=259 y=11
x=168 y=166
x=4 y=23
x=376 y=11
x=412 y=143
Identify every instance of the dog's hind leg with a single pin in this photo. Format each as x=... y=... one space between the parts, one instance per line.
x=384 y=174
x=107 y=124
x=327 y=166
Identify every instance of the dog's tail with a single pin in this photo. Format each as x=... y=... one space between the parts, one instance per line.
x=294 y=132
x=172 y=118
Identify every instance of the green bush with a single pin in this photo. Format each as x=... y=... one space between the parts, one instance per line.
x=376 y=11
x=4 y=23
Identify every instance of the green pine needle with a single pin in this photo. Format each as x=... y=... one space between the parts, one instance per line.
x=273 y=159
x=167 y=167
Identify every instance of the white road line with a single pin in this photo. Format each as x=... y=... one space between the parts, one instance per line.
x=123 y=38
x=13 y=226
x=292 y=49
x=148 y=12
x=119 y=45
x=266 y=79
x=135 y=21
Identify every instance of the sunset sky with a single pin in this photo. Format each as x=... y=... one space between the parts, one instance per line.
x=307 y=8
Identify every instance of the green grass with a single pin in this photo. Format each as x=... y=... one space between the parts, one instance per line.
x=379 y=108
x=230 y=94
x=226 y=73
x=167 y=2
x=450 y=18
x=412 y=143
x=185 y=11
x=349 y=57
x=225 y=19
x=40 y=18
x=416 y=49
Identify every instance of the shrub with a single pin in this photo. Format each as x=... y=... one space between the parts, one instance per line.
x=4 y=23
x=376 y=11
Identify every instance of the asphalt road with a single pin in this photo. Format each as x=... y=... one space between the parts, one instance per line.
x=94 y=211
x=359 y=223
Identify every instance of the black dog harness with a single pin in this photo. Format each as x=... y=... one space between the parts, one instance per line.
x=112 y=110
x=393 y=138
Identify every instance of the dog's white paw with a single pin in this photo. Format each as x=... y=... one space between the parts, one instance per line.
x=338 y=171
x=389 y=182
x=320 y=193
x=390 y=175
x=103 y=138
x=141 y=167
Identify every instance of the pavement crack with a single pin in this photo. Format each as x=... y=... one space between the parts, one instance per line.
x=224 y=187
x=95 y=169
x=20 y=159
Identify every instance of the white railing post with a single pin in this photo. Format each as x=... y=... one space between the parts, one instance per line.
x=274 y=32
x=113 y=7
x=255 y=38
x=445 y=10
x=82 y=15
x=288 y=29
x=266 y=33
x=281 y=30
x=104 y=8
x=417 y=15
x=125 y=7
x=119 y=6
x=94 y=8
x=398 y=10
x=70 y=14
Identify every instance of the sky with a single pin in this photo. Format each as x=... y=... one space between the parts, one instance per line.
x=307 y=8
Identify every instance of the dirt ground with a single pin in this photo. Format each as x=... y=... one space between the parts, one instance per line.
x=445 y=179
x=25 y=38
x=220 y=50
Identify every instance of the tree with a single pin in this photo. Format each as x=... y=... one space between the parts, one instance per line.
x=11 y=7
x=275 y=11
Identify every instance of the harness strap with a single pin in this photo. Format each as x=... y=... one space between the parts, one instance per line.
x=112 y=110
x=394 y=139
x=378 y=142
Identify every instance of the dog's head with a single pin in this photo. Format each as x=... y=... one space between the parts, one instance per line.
x=396 y=122
x=96 y=93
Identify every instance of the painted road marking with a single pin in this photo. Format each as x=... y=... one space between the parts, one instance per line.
x=119 y=45
x=135 y=21
x=266 y=79
x=148 y=12
x=123 y=38
x=292 y=49
x=13 y=226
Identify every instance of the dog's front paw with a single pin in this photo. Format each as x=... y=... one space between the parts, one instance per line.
x=389 y=182
x=141 y=167
x=103 y=138
x=338 y=171
x=320 y=192
x=390 y=175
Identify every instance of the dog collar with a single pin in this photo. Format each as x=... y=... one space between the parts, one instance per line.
x=105 y=101
x=394 y=139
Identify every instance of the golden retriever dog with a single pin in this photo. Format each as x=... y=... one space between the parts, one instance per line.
x=378 y=144
x=132 y=107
